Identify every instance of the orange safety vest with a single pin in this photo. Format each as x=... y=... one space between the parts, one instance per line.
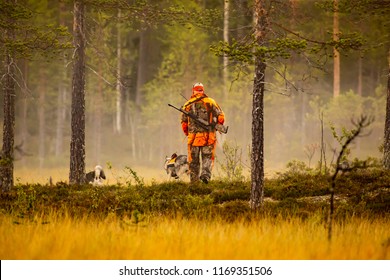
x=201 y=138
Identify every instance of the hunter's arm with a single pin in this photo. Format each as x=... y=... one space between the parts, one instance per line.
x=184 y=124
x=219 y=113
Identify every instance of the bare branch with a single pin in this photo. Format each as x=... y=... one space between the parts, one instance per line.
x=100 y=76
x=363 y=122
x=299 y=35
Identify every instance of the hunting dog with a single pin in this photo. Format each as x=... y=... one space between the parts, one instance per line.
x=176 y=166
x=96 y=176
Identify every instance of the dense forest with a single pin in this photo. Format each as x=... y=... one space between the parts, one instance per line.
x=142 y=55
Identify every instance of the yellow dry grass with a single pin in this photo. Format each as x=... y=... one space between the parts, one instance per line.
x=40 y=176
x=51 y=237
x=114 y=175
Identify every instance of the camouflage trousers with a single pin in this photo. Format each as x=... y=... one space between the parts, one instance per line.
x=201 y=163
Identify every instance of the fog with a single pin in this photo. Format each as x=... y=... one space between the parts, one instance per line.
x=292 y=132
x=158 y=65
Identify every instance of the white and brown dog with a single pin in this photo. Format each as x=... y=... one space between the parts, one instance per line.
x=176 y=166
x=96 y=176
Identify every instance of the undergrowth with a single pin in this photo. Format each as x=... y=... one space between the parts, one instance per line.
x=362 y=192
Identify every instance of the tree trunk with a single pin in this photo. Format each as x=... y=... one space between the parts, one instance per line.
x=386 y=145
x=41 y=116
x=23 y=114
x=141 y=80
x=225 y=74
x=7 y=155
x=243 y=7
x=336 y=53
x=9 y=84
x=97 y=120
x=360 y=76
x=62 y=98
x=257 y=160
x=118 y=120
x=77 y=144
x=61 y=115
x=225 y=39
x=141 y=71
x=304 y=106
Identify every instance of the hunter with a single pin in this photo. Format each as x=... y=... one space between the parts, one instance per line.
x=201 y=139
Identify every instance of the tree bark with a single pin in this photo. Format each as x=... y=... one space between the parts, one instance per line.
x=386 y=145
x=9 y=92
x=7 y=153
x=77 y=144
x=257 y=159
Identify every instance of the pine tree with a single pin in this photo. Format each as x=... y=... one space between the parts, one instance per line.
x=20 y=39
x=77 y=144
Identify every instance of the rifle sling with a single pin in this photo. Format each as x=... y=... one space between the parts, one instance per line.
x=193 y=101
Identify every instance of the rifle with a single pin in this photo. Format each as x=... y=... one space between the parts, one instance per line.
x=202 y=123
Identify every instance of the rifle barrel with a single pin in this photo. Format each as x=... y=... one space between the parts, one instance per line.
x=205 y=126
x=174 y=107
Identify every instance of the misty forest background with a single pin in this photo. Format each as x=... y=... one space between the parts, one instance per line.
x=135 y=67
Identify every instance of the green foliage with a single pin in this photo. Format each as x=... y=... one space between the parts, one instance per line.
x=231 y=192
x=29 y=36
x=236 y=51
x=369 y=162
x=234 y=210
x=346 y=42
x=296 y=167
x=232 y=165
x=298 y=180
x=5 y=161
x=128 y=177
x=114 y=175
x=141 y=13
x=25 y=201
x=139 y=181
x=284 y=47
x=337 y=114
x=345 y=134
x=246 y=53
x=137 y=217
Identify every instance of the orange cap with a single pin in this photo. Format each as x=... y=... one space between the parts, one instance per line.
x=198 y=87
